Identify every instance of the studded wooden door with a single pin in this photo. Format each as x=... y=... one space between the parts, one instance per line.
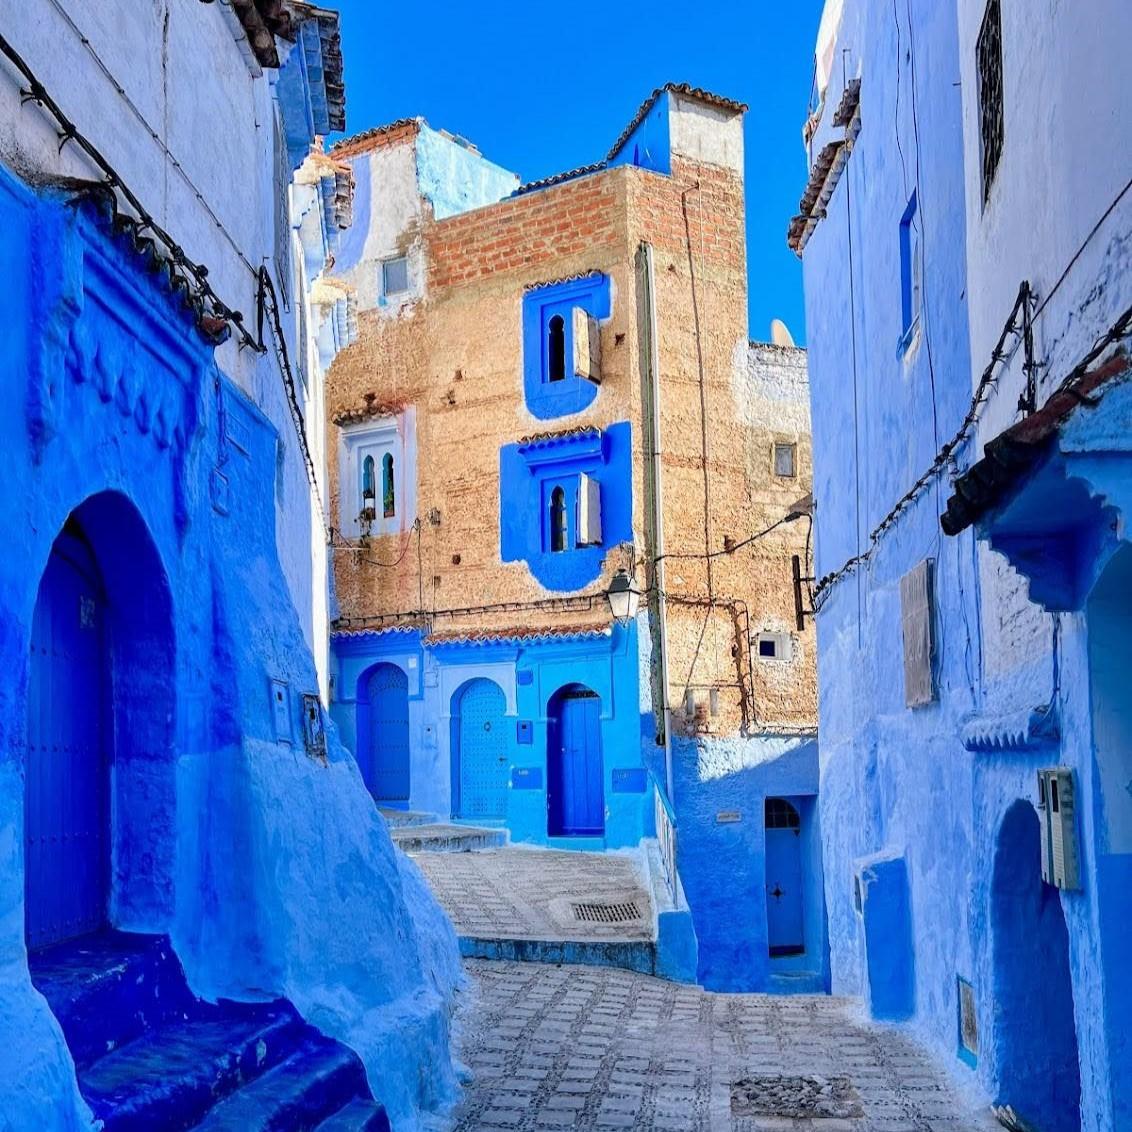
x=389 y=734
x=67 y=787
x=482 y=751
x=784 y=921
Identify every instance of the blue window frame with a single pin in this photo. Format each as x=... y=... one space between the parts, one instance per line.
x=911 y=273
x=550 y=386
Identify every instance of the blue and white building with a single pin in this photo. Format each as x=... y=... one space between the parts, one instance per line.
x=964 y=235
x=181 y=825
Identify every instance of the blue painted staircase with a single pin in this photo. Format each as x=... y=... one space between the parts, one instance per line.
x=153 y=1058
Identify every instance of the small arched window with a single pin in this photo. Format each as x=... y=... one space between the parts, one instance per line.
x=369 y=485
x=556 y=344
x=558 y=529
x=389 y=502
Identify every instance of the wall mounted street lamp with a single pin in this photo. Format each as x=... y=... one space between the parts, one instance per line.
x=623 y=596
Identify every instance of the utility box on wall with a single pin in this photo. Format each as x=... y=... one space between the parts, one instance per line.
x=1057 y=810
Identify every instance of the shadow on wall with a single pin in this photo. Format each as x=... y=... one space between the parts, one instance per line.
x=750 y=862
x=1034 y=1036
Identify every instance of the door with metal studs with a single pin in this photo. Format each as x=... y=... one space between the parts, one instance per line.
x=481 y=738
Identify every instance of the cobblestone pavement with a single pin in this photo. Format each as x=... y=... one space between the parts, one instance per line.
x=531 y=893
x=601 y=1048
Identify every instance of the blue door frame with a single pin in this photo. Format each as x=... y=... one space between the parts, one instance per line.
x=67 y=787
x=575 y=771
x=784 y=915
x=480 y=753
x=388 y=695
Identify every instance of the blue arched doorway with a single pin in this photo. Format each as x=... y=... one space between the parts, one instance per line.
x=99 y=779
x=1035 y=1037
x=387 y=696
x=480 y=764
x=67 y=789
x=785 y=919
x=574 y=767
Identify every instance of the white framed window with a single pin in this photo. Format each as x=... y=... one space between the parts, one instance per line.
x=773 y=647
x=395 y=275
x=377 y=476
x=786 y=460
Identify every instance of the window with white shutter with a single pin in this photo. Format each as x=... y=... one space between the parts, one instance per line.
x=589 y=511
x=916 y=602
x=587 y=346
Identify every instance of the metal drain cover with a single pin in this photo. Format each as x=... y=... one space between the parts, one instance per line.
x=607 y=913
x=798 y=1098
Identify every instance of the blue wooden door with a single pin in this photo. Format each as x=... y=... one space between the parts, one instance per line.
x=67 y=787
x=482 y=751
x=784 y=921
x=576 y=774
x=389 y=734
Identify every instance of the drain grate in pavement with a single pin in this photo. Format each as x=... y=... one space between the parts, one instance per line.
x=607 y=913
x=798 y=1098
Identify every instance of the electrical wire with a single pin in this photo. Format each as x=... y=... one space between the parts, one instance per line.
x=788 y=518
x=358 y=547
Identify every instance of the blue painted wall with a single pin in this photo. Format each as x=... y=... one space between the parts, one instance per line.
x=721 y=785
x=224 y=830
x=455 y=177
x=919 y=805
x=528 y=472
x=649 y=145
x=548 y=399
x=528 y=674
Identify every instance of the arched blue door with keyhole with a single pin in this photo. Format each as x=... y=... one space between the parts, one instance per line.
x=67 y=787
x=575 y=773
x=388 y=696
x=481 y=751
x=784 y=918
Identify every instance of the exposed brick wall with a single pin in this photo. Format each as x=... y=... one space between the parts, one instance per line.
x=530 y=231
x=457 y=356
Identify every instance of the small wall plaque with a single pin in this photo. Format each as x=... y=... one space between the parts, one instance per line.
x=524 y=732
x=728 y=817
x=526 y=778
x=630 y=780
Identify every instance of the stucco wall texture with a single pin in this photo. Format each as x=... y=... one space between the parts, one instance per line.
x=453 y=350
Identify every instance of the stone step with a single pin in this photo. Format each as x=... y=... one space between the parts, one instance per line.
x=322 y=1080
x=108 y=988
x=629 y=955
x=398 y=819
x=357 y=1116
x=444 y=837
x=171 y=1077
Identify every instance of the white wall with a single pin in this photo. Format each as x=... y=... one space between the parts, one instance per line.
x=1067 y=154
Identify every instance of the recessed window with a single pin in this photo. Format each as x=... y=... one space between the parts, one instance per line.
x=556 y=348
x=388 y=499
x=773 y=646
x=395 y=276
x=559 y=522
x=911 y=272
x=991 y=119
x=785 y=459
x=369 y=487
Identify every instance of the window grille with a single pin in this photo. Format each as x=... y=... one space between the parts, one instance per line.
x=991 y=124
x=779 y=814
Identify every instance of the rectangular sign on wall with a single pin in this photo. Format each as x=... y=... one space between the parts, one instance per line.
x=526 y=778
x=630 y=780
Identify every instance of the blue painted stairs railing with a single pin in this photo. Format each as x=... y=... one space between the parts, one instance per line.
x=153 y=1058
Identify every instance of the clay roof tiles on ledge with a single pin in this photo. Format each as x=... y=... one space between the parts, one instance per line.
x=356 y=143
x=522 y=635
x=262 y=21
x=540 y=438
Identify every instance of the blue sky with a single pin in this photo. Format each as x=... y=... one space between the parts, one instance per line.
x=541 y=88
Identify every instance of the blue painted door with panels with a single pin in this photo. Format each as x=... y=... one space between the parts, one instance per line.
x=576 y=775
x=389 y=734
x=67 y=784
x=481 y=738
x=784 y=920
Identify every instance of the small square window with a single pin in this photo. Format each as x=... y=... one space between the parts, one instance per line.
x=768 y=648
x=395 y=276
x=773 y=646
x=785 y=459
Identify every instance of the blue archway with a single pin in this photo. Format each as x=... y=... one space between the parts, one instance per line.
x=1034 y=1034
x=99 y=773
x=480 y=751
x=575 y=774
